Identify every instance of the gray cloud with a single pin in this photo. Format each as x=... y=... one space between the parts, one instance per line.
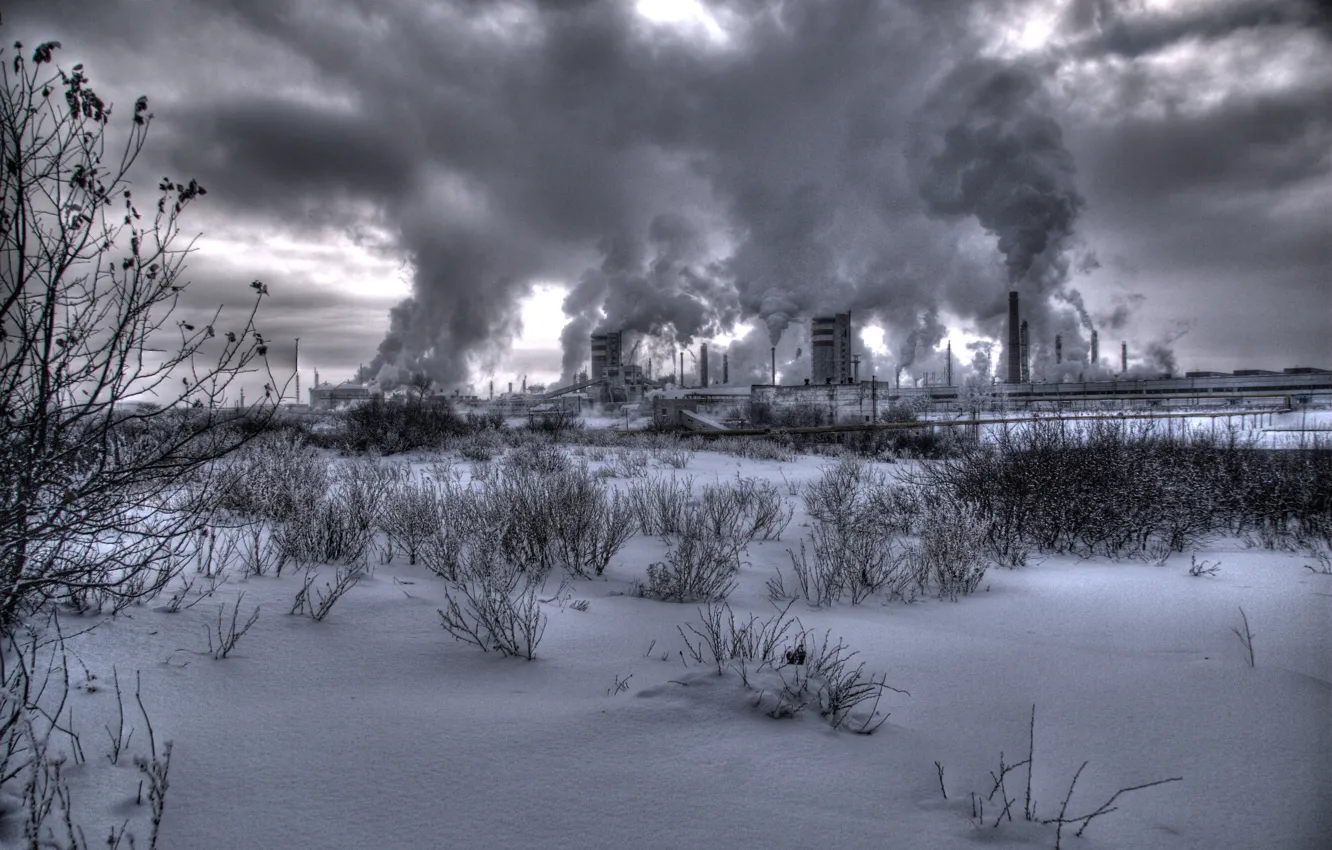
x=850 y=155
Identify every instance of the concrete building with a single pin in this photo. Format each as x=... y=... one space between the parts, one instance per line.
x=830 y=343
x=606 y=353
x=326 y=396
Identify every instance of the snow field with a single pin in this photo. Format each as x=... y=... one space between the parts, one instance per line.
x=373 y=728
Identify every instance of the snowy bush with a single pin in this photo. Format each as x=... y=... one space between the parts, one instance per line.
x=272 y=477
x=798 y=668
x=626 y=463
x=855 y=559
x=481 y=445
x=413 y=513
x=699 y=566
x=952 y=549
x=843 y=492
x=541 y=458
x=492 y=604
x=661 y=505
x=590 y=524
x=1123 y=490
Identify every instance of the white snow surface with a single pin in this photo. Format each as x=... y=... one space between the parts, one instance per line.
x=374 y=729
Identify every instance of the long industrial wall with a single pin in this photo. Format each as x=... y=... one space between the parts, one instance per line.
x=858 y=403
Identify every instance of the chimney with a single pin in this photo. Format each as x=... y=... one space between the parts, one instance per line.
x=774 y=365
x=726 y=368
x=1024 y=346
x=524 y=385
x=950 y=362
x=703 y=364
x=1095 y=348
x=1059 y=349
x=1014 y=341
x=680 y=383
x=510 y=387
x=492 y=389
x=1123 y=357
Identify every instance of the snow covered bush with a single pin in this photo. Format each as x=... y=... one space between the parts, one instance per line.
x=274 y=475
x=590 y=524
x=541 y=458
x=699 y=566
x=626 y=463
x=482 y=445
x=492 y=604
x=661 y=505
x=413 y=513
x=952 y=549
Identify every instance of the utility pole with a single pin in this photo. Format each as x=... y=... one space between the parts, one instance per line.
x=298 y=370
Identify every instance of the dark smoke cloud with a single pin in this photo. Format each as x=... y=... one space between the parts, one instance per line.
x=833 y=156
x=999 y=156
x=1114 y=33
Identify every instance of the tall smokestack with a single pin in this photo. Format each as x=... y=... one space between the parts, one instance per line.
x=1024 y=346
x=298 y=370
x=1123 y=357
x=1014 y=341
x=680 y=383
x=950 y=362
x=726 y=368
x=703 y=364
x=1095 y=348
x=1059 y=349
x=774 y=365
x=492 y=389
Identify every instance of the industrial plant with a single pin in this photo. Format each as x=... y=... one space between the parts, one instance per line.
x=619 y=381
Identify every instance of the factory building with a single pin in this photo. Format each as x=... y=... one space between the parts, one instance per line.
x=606 y=354
x=326 y=396
x=830 y=344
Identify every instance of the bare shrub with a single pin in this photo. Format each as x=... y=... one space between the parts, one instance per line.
x=259 y=551
x=228 y=635
x=96 y=316
x=1198 y=568
x=273 y=476
x=675 y=458
x=413 y=513
x=541 y=458
x=952 y=549
x=699 y=566
x=481 y=446
x=843 y=492
x=1004 y=805
x=660 y=504
x=493 y=605
x=759 y=643
x=863 y=559
x=590 y=525
x=626 y=463
x=318 y=608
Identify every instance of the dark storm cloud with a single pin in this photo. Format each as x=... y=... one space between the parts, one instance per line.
x=834 y=155
x=1115 y=33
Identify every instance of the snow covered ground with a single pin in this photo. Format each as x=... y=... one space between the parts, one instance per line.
x=374 y=729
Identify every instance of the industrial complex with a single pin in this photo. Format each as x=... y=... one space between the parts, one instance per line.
x=616 y=381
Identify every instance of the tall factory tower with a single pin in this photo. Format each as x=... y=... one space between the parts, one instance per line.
x=830 y=341
x=1013 y=351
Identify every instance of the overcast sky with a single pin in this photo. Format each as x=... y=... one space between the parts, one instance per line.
x=404 y=173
